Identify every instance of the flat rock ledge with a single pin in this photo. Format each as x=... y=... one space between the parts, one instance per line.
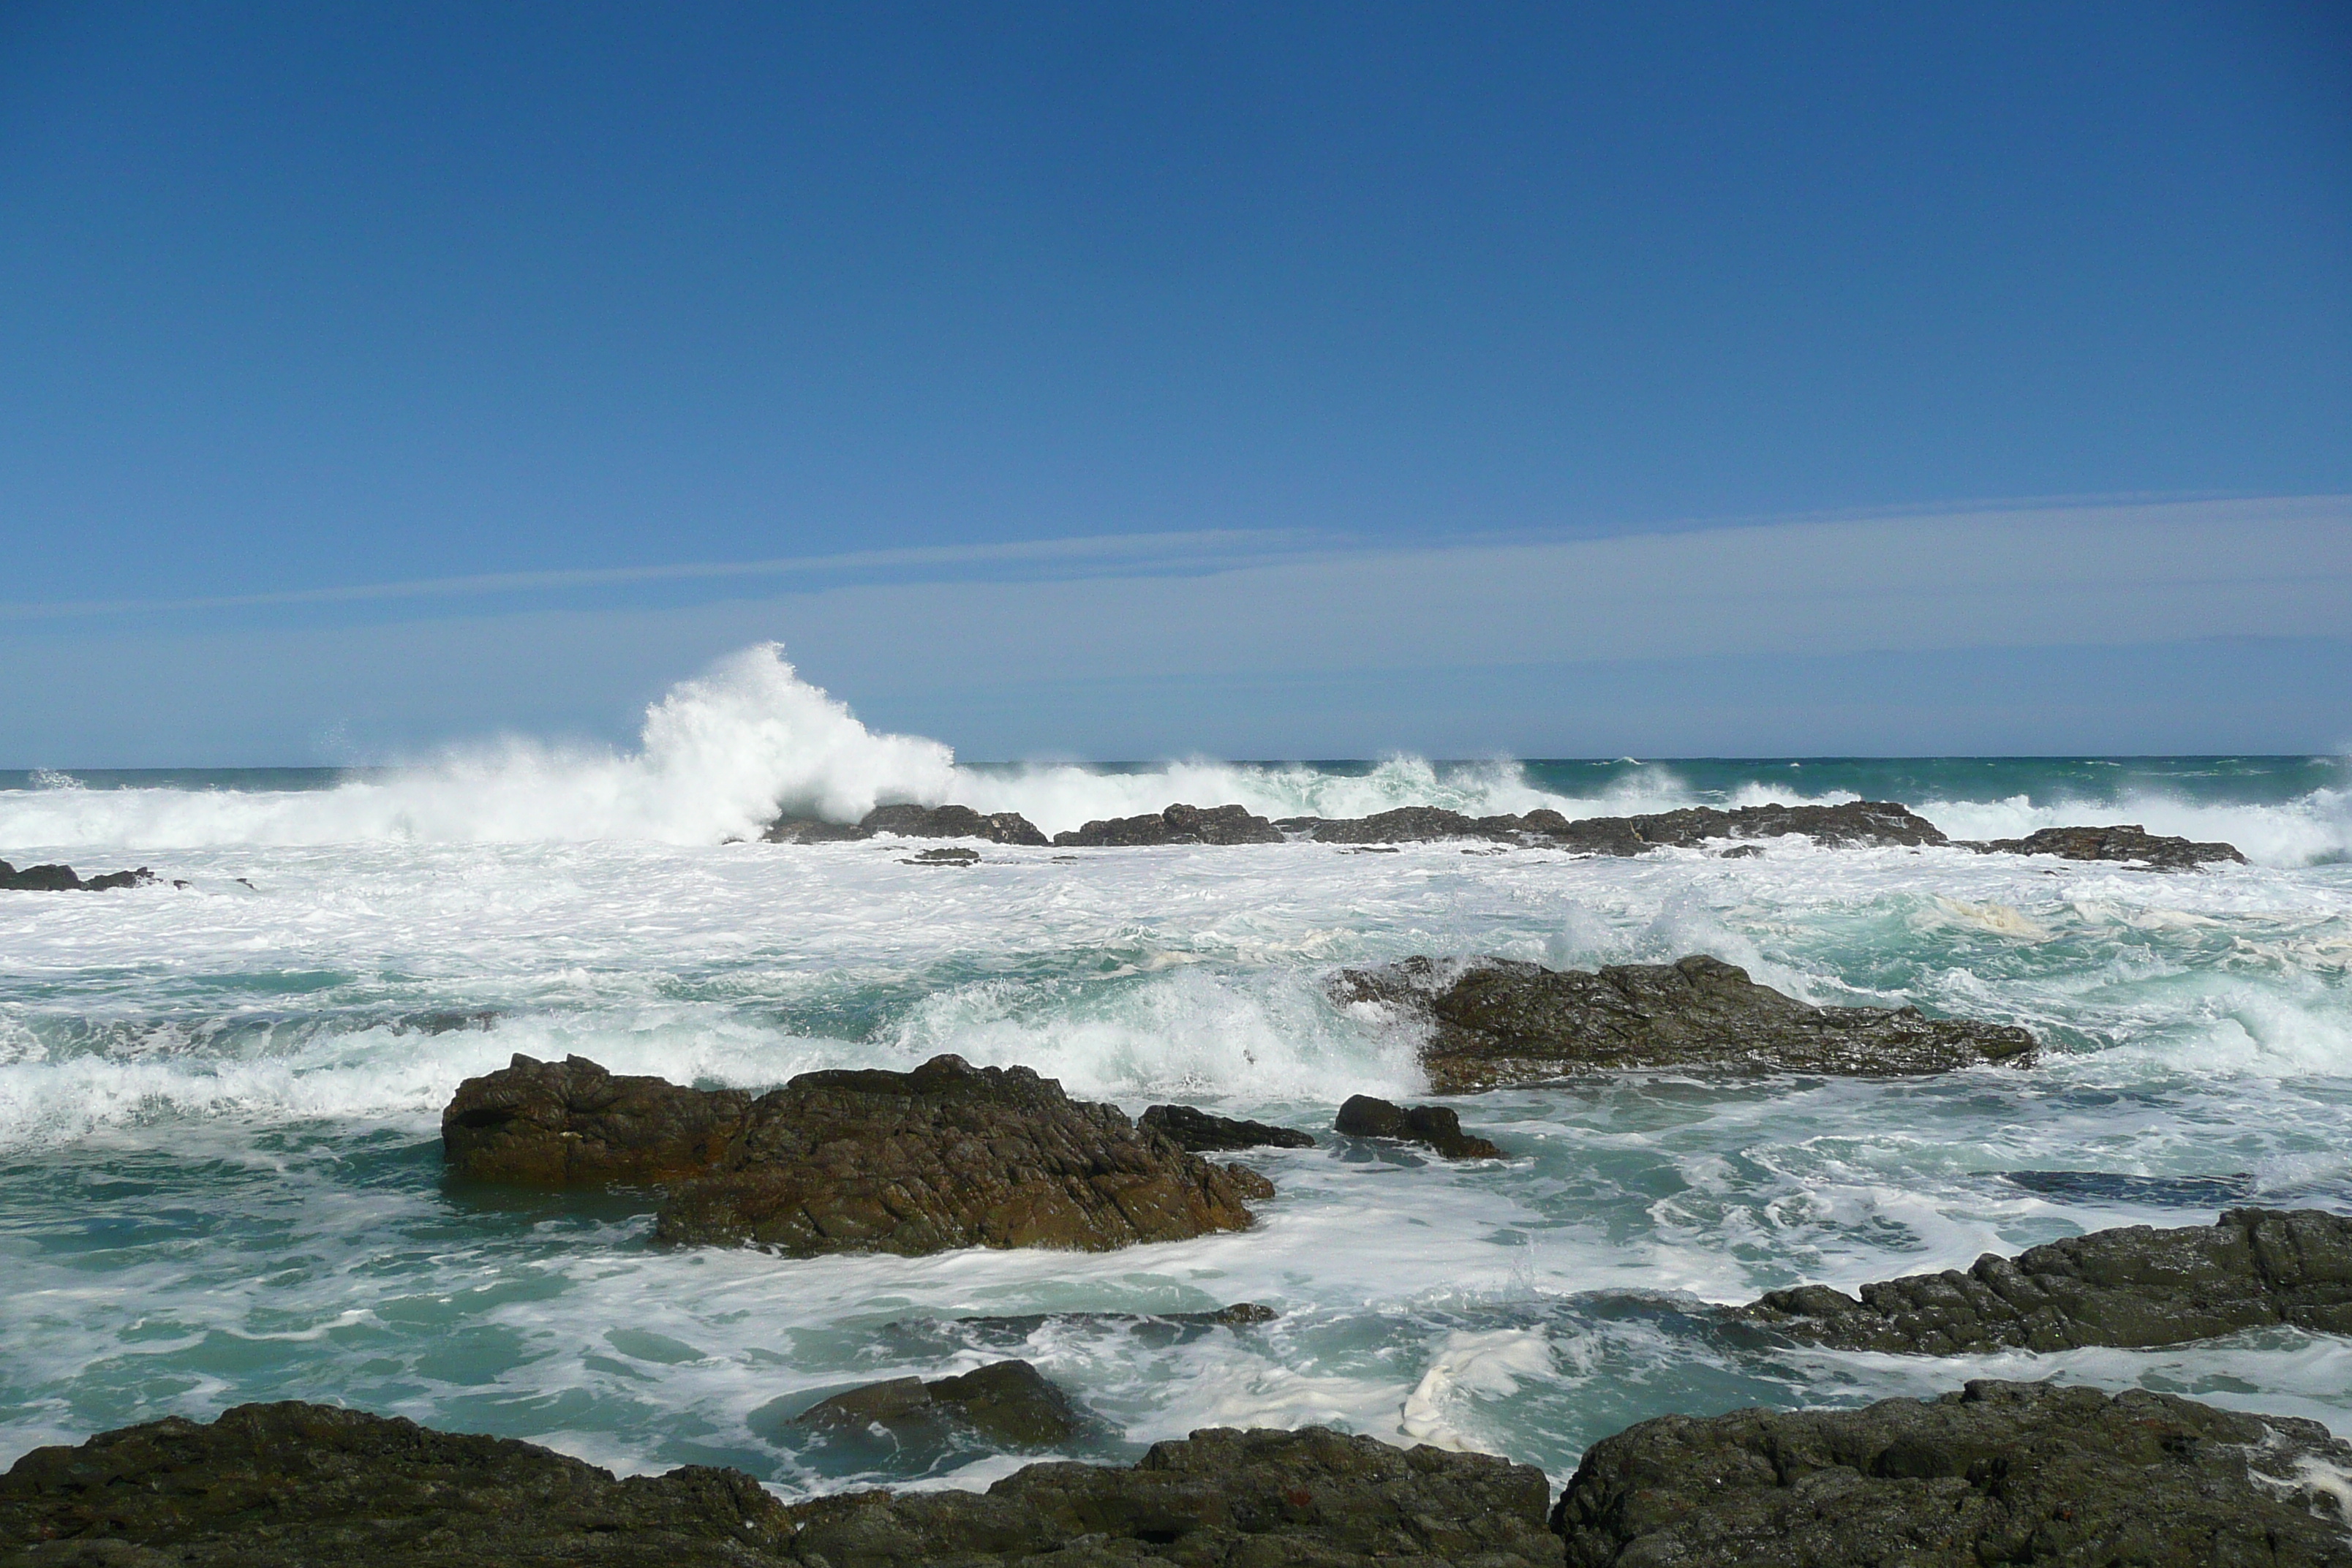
x=62 y=879
x=2134 y=1287
x=294 y=1485
x=1006 y=1404
x=946 y=1156
x=1998 y=1472
x=2128 y=842
x=1495 y=1022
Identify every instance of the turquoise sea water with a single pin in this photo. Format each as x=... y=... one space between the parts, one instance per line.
x=219 y=1166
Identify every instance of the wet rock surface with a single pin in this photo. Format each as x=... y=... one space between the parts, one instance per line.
x=950 y=857
x=1178 y=825
x=947 y=1155
x=1496 y=1022
x=2128 y=842
x=1433 y=1127
x=1999 y=1472
x=276 y=1486
x=1005 y=1405
x=2133 y=1287
x=909 y=822
x=62 y=879
x=280 y=1485
x=1863 y=822
x=1201 y=1132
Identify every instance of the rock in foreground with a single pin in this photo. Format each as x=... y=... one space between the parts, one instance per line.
x=1177 y=824
x=2002 y=1472
x=293 y=1485
x=2131 y=1287
x=2126 y=841
x=1199 y=1133
x=1434 y=1127
x=571 y=1123
x=1006 y=1404
x=1497 y=1021
x=62 y=879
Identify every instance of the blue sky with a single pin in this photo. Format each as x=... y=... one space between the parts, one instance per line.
x=1121 y=381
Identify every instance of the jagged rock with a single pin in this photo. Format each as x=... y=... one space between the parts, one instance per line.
x=2132 y=1287
x=1179 y=824
x=1405 y=824
x=1999 y=1472
x=571 y=1123
x=1433 y=1126
x=1311 y=1497
x=1202 y=1133
x=2126 y=841
x=1496 y=1022
x=949 y=1155
x=1861 y=822
x=951 y=821
x=293 y=1485
x=1007 y=1404
x=62 y=879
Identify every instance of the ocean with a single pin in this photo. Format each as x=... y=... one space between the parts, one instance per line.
x=220 y=1169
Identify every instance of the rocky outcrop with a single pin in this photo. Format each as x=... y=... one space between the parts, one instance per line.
x=62 y=879
x=1005 y=1405
x=1861 y=822
x=1999 y=1472
x=1202 y=1133
x=909 y=822
x=947 y=1155
x=1496 y=1022
x=2134 y=1287
x=571 y=1123
x=292 y=1486
x=955 y=854
x=1434 y=1127
x=1178 y=825
x=2128 y=842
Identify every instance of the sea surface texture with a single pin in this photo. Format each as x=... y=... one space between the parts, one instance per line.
x=221 y=1175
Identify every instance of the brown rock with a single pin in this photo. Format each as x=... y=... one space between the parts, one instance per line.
x=1434 y=1127
x=2128 y=842
x=571 y=1123
x=1201 y=1133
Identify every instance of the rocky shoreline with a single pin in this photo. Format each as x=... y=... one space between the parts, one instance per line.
x=1878 y=823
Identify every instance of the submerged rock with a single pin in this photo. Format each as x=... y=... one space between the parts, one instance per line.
x=1005 y=1405
x=62 y=879
x=1435 y=1127
x=2126 y=841
x=1154 y=1328
x=1496 y=1022
x=2132 y=1287
x=947 y=1155
x=292 y=1486
x=1999 y=1472
x=1178 y=825
x=957 y=855
x=1202 y=1133
x=812 y=830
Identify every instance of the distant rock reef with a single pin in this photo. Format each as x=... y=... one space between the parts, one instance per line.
x=1855 y=823
x=62 y=879
x=946 y=1156
x=1496 y=1022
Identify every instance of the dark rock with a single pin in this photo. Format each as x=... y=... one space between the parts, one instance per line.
x=2134 y=1287
x=1434 y=1126
x=2125 y=841
x=813 y=830
x=951 y=821
x=1006 y=1404
x=1202 y=1133
x=293 y=1485
x=1405 y=824
x=1861 y=822
x=571 y=1123
x=949 y=1155
x=1312 y=1497
x=1496 y=1022
x=62 y=879
x=1999 y=1472
x=956 y=857
x=1178 y=825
